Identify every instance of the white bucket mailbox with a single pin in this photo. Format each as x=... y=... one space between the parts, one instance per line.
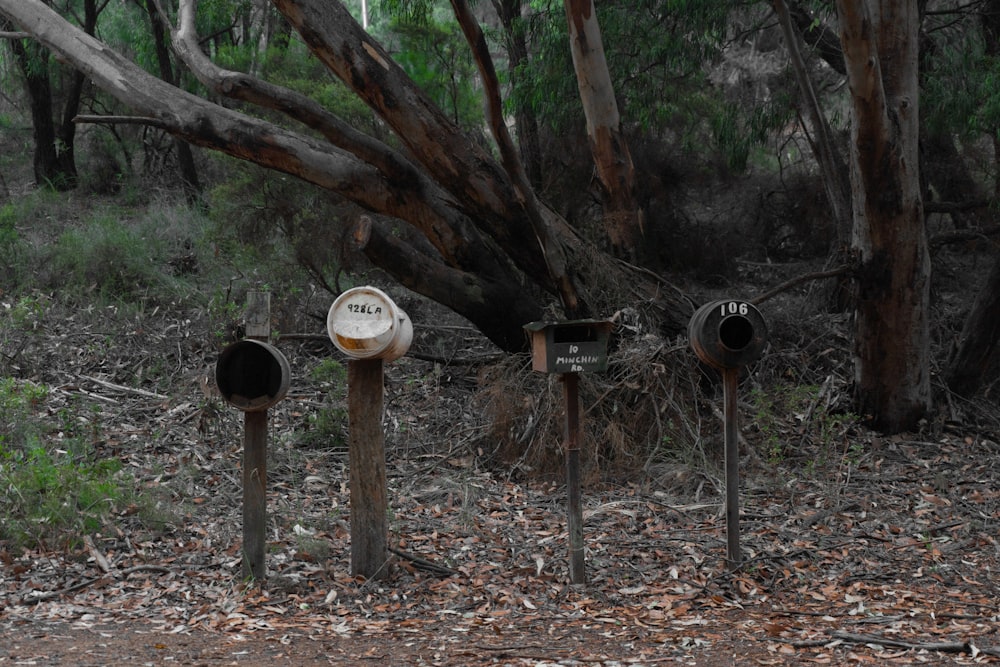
x=367 y=326
x=364 y=323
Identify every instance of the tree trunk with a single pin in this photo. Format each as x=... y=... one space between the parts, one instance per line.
x=978 y=342
x=623 y=217
x=509 y=12
x=33 y=62
x=892 y=366
x=831 y=163
x=185 y=157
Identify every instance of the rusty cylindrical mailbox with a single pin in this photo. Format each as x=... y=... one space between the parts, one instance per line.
x=728 y=333
x=364 y=323
x=252 y=375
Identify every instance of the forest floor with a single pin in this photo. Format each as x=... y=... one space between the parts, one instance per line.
x=883 y=551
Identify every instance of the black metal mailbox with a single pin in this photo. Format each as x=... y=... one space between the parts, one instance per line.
x=572 y=346
x=252 y=375
x=728 y=333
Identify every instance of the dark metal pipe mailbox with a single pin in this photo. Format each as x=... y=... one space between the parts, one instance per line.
x=728 y=333
x=252 y=375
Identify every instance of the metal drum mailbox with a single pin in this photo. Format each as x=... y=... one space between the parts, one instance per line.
x=364 y=323
x=572 y=346
x=252 y=375
x=728 y=333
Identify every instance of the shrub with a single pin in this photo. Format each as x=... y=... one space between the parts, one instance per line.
x=52 y=487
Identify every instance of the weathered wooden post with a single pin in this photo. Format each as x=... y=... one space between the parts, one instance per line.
x=569 y=348
x=728 y=335
x=367 y=326
x=252 y=375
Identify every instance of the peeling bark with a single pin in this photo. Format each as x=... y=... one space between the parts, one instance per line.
x=623 y=217
x=892 y=340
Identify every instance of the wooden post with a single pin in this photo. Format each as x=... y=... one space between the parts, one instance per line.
x=730 y=385
x=574 y=511
x=258 y=326
x=366 y=452
x=257 y=319
x=254 y=494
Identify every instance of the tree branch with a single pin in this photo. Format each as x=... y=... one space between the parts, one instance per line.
x=552 y=250
x=798 y=280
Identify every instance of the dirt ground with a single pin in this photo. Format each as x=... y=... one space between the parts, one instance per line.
x=130 y=644
x=858 y=549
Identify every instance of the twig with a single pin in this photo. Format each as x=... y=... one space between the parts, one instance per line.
x=943 y=647
x=788 y=284
x=99 y=558
x=423 y=564
x=131 y=390
x=51 y=595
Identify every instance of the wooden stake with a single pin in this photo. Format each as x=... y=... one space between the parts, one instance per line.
x=254 y=495
x=366 y=451
x=258 y=326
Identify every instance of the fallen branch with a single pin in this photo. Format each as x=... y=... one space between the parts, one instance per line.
x=941 y=647
x=788 y=284
x=130 y=390
x=51 y=595
x=423 y=564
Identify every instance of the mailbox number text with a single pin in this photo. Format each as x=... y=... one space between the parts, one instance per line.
x=734 y=308
x=364 y=309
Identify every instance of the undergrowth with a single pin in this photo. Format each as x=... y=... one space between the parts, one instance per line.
x=53 y=487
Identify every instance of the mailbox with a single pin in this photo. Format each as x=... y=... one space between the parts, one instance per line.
x=252 y=375
x=727 y=333
x=364 y=323
x=572 y=346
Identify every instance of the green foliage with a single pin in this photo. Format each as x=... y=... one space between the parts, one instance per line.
x=11 y=247
x=283 y=224
x=960 y=84
x=328 y=425
x=437 y=57
x=107 y=257
x=52 y=487
x=793 y=419
x=655 y=50
x=737 y=130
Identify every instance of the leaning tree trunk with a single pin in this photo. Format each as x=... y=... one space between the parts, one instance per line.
x=437 y=181
x=832 y=166
x=892 y=377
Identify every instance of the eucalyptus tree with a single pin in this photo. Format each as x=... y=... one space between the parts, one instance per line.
x=54 y=93
x=880 y=42
x=490 y=247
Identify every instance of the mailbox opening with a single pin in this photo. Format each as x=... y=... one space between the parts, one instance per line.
x=252 y=375
x=574 y=333
x=735 y=332
x=728 y=333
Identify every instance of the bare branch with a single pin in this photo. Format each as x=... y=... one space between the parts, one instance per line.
x=120 y=120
